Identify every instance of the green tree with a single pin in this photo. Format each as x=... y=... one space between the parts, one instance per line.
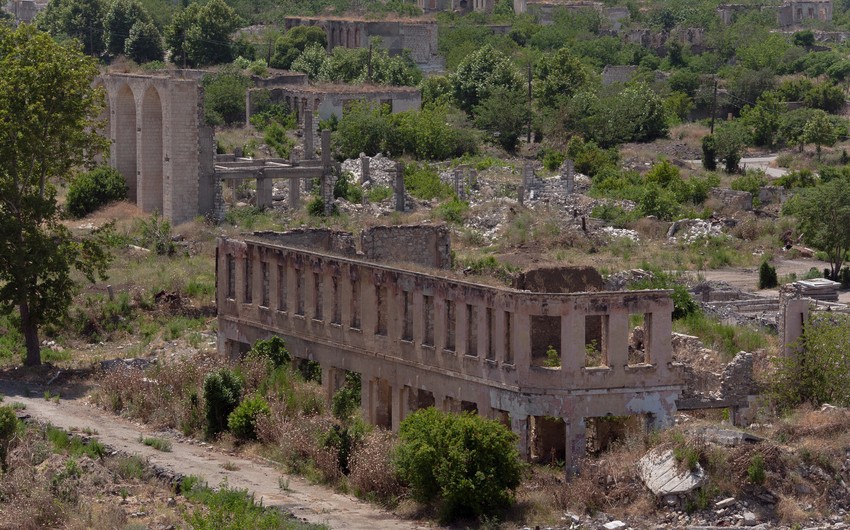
x=823 y=217
x=763 y=119
x=559 y=75
x=362 y=129
x=76 y=19
x=289 y=46
x=792 y=126
x=224 y=96
x=144 y=43
x=824 y=96
x=202 y=35
x=479 y=73
x=310 y=61
x=730 y=139
x=120 y=18
x=505 y=114
x=49 y=124
x=436 y=90
x=466 y=463
x=819 y=370
x=820 y=131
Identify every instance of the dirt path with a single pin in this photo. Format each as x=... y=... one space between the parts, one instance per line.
x=315 y=504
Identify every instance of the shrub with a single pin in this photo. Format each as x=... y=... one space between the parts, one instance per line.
x=756 y=472
x=467 y=464
x=709 y=153
x=342 y=440
x=316 y=207
x=423 y=182
x=379 y=193
x=273 y=348
x=346 y=401
x=767 y=276
x=751 y=182
x=453 y=211
x=221 y=396
x=345 y=188
x=155 y=234
x=93 y=189
x=8 y=426
x=552 y=159
x=243 y=420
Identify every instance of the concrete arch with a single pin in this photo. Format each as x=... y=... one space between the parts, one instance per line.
x=151 y=149
x=124 y=139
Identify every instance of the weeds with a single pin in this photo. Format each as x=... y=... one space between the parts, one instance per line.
x=159 y=444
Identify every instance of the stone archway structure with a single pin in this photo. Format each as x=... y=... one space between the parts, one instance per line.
x=160 y=143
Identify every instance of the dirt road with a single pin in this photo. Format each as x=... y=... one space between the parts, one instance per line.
x=306 y=501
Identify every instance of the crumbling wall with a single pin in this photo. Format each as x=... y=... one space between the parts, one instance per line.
x=316 y=239
x=427 y=245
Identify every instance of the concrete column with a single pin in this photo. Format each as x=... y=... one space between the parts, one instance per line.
x=398 y=188
x=274 y=282
x=568 y=174
x=461 y=328
x=418 y=316
x=439 y=326
x=576 y=444
x=521 y=336
x=519 y=425
x=309 y=150
x=294 y=193
x=264 y=191
x=572 y=343
x=328 y=380
x=366 y=402
x=365 y=170
x=327 y=287
x=401 y=396
x=660 y=348
x=617 y=337
x=368 y=299
x=291 y=290
x=326 y=150
x=309 y=291
x=483 y=333
x=521 y=195
x=345 y=298
x=247 y=107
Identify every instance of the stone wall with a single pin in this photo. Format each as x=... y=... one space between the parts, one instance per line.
x=317 y=239
x=426 y=245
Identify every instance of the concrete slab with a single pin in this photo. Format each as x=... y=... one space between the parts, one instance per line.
x=660 y=472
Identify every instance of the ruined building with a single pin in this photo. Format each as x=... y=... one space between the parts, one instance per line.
x=160 y=143
x=549 y=365
x=790 y=13
x=418 y=36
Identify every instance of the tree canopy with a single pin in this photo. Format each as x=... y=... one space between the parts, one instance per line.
x=48 y=112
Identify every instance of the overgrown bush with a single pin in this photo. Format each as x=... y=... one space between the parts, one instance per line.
x=709 y=153
x=155 y=234
x=452 y=211
x=273 y=348
x=243 y=420
x=423 y=182
x=819 y=372
x=93 y=189
x=8 y=426
x=346 y=401
x=345 y=188
x=222 y=389
x=466 y=464
x=767 y=276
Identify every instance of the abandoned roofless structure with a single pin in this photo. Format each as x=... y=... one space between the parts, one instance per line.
x=420 y=339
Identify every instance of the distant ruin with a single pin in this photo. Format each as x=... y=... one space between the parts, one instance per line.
x=418 y=36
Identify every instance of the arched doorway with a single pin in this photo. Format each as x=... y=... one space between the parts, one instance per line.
x=151 y=176
x=125 y=139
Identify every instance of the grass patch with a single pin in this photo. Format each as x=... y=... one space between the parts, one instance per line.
x=159 y=444
x=73 y=445
x=230 y=508
x=725 y=338
x=379 y=193
x=130 y=467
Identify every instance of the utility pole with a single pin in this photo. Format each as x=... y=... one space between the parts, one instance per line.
x=714 y=105
x=528 y=138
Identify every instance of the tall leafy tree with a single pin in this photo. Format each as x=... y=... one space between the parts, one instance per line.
x=820 y=131
x=560 y=75
x=144 y=43
x=823 y=215
x=479 y=73
x=121 y=17
x=76 y=19
x=48 y=119
x=289 y=46
x=202 y=35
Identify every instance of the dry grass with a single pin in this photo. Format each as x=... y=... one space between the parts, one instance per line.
x=371 y=466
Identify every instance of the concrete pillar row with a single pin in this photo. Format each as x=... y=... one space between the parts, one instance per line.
x=575 y=444
x=519 y=426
